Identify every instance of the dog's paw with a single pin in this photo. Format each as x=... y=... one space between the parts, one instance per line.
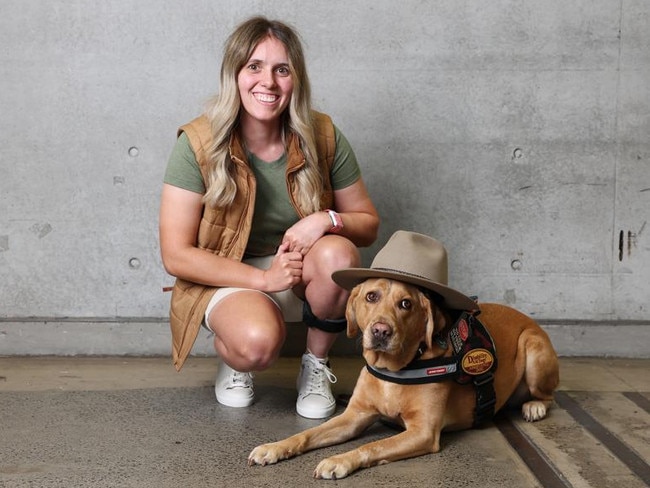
x=266 y=454
x=533 y=411
x=334 y=468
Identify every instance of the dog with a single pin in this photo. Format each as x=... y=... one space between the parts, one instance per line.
x=407 y=315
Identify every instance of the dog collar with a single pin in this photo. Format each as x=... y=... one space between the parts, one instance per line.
x=474 y=360
x=419 y=371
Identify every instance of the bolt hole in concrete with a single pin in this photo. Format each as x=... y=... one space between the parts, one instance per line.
x=133 y=151
x=516 y=264
x=517 y=153
x=134 y=263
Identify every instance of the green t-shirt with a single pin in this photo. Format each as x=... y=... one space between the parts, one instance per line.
x=273 y=213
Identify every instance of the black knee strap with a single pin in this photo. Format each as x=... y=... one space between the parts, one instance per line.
x=333 y=326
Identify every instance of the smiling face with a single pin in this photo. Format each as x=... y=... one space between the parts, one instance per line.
x=265 y=82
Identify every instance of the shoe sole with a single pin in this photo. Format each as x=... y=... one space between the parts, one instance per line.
x=316 y=414
x=235 y=402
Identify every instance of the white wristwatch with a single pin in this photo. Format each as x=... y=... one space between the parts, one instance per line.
x=337 y=222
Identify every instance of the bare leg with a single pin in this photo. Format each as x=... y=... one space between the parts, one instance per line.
x=320 y=342
x=327 y=302
x=326 y=299
x=249 y=330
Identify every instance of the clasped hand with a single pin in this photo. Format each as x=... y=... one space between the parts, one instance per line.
x=286 y=269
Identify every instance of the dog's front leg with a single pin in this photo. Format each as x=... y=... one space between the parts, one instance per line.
x=407 y=444
x=339 y=429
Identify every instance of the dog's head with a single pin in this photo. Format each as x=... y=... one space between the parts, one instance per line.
x=395 y=318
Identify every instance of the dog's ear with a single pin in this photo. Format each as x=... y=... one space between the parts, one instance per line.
x=435 y=319
x=350 y=315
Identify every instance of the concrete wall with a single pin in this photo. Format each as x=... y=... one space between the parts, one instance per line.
x=516 y=132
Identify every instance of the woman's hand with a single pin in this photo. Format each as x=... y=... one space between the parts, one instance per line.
x=285 y=271
x=302 y=235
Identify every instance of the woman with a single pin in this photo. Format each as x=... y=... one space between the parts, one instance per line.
x=262 y=201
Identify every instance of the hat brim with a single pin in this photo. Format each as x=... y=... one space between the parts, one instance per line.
x=351 y=277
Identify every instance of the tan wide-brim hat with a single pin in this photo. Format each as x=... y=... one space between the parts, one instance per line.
x=412 y=258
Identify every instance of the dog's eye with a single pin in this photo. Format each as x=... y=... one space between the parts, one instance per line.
x=372 y=297
x=405 y=304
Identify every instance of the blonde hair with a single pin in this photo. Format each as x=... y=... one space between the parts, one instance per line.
x=223 y=113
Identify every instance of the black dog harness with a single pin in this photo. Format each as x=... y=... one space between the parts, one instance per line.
x=474 y=360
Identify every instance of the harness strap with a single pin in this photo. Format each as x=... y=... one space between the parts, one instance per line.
x=419 y=372
x=485 y=398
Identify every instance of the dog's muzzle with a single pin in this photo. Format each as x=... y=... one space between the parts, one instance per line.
x=380 y=335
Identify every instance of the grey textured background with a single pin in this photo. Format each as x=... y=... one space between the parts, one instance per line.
x=516 y=132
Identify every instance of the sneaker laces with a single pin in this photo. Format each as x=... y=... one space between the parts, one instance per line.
x=240 y=380
x=317 y=375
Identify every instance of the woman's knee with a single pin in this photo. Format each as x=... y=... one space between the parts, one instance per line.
x=326 y=299
x=249 y=331
x=254 y=348
x=260 y=346
x=332 y=253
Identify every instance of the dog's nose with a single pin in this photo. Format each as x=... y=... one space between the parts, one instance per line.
x=381 y=331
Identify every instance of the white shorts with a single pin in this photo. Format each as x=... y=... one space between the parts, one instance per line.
x=287 y=301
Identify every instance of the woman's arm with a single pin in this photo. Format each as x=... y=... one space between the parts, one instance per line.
x=180 y=215
x=359 y=215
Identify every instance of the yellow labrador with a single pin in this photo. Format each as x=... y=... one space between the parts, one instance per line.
x=399 y=322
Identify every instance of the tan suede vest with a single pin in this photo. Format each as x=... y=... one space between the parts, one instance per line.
x=225 y=231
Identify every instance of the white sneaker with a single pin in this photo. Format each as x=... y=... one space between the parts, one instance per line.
x=315 y=399
x=232 y=388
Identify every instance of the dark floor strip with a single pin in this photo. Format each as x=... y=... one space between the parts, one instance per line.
x=539 y=464
x=637 y=465
x=640 y=400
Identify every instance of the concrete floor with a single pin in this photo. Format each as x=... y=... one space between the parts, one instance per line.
x=135 y=422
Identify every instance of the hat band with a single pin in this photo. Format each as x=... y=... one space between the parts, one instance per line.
x=405 y=273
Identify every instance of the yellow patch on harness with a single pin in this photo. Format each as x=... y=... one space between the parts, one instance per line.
x=477 y=361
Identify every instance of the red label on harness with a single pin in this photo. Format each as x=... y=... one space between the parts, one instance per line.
x=463 y=330
x=436 y=371
x=477 y=361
